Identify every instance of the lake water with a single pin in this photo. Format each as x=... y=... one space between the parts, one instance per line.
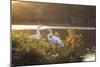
x=30 y=27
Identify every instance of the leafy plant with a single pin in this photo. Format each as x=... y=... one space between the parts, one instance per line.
x=30 y=51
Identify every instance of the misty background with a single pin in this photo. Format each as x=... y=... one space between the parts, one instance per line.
x=27 y=13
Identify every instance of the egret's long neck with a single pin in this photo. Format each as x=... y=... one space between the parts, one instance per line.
x=38 y=32
x=50 y=34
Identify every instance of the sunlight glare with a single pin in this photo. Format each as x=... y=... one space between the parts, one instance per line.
x=12 y=2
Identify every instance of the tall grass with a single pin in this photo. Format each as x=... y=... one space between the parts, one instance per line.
x=29 y=51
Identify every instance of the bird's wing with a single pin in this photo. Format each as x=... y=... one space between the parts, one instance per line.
x=58 y=40
x=55 y=39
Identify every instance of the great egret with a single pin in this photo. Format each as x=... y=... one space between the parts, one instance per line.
x=54 y=39
x=37 y=36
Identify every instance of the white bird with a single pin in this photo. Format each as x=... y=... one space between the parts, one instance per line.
x=37 y=36
x=54 y=39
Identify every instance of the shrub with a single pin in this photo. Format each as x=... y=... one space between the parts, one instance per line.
x=30 y=51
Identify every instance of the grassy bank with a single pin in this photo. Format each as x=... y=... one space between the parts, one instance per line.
x=27 y=51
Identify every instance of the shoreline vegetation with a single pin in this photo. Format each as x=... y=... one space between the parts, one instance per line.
x=26 y=51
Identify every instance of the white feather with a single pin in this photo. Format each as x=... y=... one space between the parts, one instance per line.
x=53 y=39
x=37 y=36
